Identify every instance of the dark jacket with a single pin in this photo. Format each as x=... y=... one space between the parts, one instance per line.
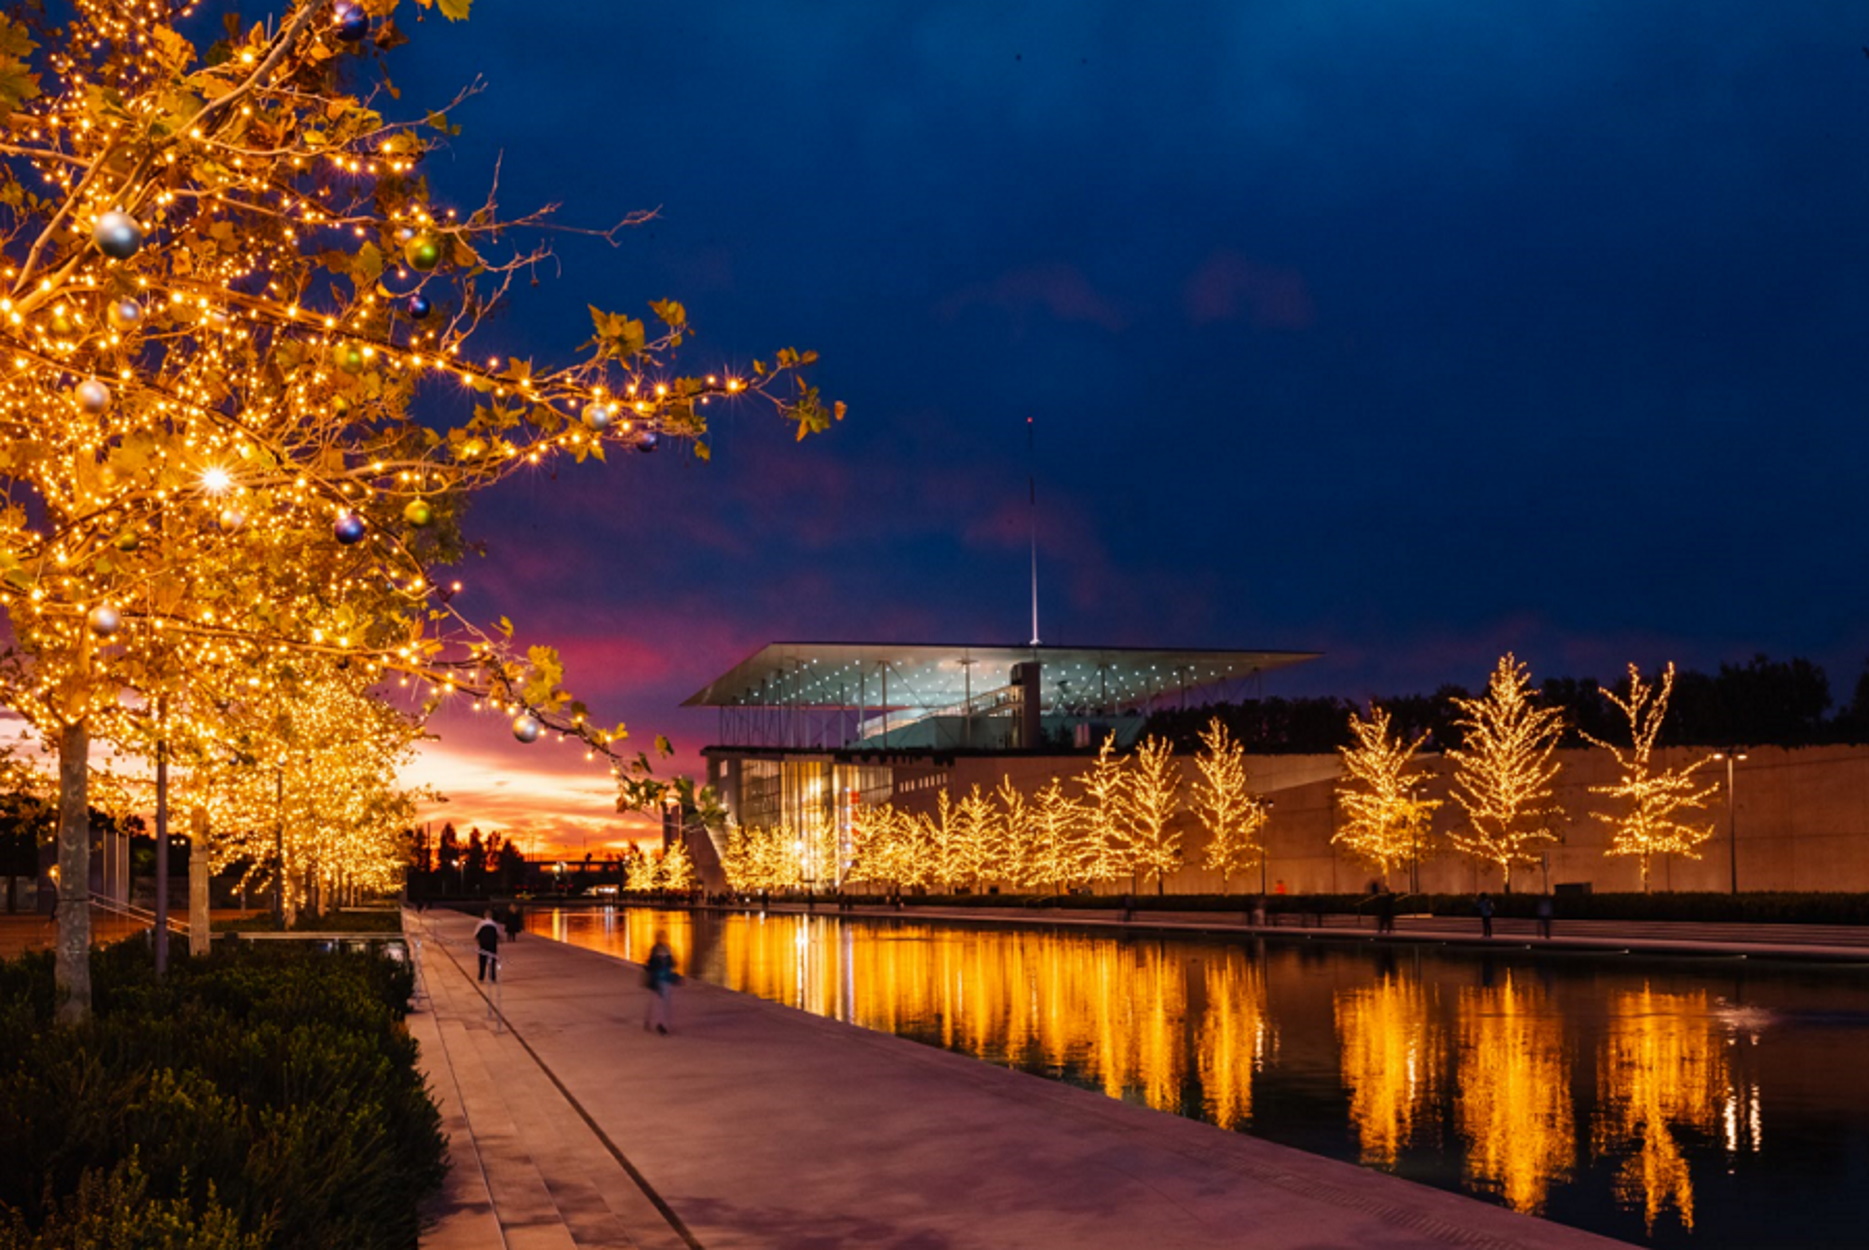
x=487 y=935
x=660 y=970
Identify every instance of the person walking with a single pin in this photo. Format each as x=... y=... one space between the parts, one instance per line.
x=515 y=923
x=660 y=978
x=487 y=938
x=1385 y=911
x=1547 y=908
x=1484 y=905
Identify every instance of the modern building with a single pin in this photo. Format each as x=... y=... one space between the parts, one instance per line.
x=810 y=730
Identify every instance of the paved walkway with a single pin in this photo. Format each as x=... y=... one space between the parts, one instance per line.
x=1674 y=937
x=755 y=1125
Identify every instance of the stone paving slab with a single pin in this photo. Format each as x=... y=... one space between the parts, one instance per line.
x=762 y=1126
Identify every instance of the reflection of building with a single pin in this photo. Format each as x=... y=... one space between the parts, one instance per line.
x=808 y=730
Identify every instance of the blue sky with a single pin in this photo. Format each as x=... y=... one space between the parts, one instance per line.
x=1407 y=332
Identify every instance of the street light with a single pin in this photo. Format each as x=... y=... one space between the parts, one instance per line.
x=1731 y=757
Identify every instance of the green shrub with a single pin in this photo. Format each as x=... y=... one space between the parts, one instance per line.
x=114 y=1211
x=273 y=1088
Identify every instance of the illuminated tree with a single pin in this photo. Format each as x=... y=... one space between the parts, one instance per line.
x=1233 y=814
x=674 y=869
x=1151 y=846
x=1105 y=788
x=301 y=791
x=1017 y=846
x=1504 y=774
x=1650 y=799
x=888 y=846
x=1058 y=834
x=223 y=280
x=1385 y=819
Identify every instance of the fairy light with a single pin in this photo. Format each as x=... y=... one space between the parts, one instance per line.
x=1504 y=773
x=256 y=397
x=1648 y=801
x=1386 y=822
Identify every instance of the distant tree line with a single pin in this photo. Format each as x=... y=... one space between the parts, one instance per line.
x=1764 y=702
x=475 y=865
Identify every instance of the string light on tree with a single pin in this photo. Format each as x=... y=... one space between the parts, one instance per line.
x=1504 y=774
x=1386 y=822
x=257 y=342
x=1649 y=800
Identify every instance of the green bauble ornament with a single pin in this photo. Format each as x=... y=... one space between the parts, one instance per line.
x=422 y=252
x=419 y=513
x=128 y=541
x=348 y=357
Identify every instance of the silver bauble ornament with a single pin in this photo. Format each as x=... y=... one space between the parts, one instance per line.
x=599 y=416
x=117 y=235
x=526 y=727
x=105 y=620
x=93 y=396
x=124 y=313
x=232 y=519
x=350 y=22
x=647 y=441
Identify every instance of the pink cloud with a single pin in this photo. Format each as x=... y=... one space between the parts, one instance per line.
x=1273 y=298
x=1060 y=289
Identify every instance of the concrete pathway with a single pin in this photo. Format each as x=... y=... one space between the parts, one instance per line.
x=526 y=1171
x=754 y=1125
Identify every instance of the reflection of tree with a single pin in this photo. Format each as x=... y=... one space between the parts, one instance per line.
x=1236 y=1037
x=1513 y=1108
x=1662 y=1067
x=1393 y=1054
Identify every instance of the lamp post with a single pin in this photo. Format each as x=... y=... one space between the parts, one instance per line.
x=1265 y=843
x=1731 y=757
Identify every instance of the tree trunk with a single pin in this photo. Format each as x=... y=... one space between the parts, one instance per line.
x=199 y=916
x=162 y=842
x=72 y=966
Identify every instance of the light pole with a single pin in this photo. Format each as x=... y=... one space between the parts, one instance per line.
x=1731 y=757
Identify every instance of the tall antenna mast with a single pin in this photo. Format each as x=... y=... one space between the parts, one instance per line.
x=1031 y=487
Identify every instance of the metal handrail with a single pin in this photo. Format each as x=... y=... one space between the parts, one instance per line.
x=176 y=925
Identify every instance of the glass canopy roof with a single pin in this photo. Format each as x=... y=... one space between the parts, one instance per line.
x=836 y=675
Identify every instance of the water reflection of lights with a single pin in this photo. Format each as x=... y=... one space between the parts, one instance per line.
x=1659 y=1073
x=1621 y=1091
x=1393 y=1054
x=1513 y=1105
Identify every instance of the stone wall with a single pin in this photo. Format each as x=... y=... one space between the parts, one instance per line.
x=1802 y=820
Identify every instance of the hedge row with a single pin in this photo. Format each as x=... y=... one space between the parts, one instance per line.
x=1783 y=908
x=259 y=1098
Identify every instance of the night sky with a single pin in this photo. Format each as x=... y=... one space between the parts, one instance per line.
x=1407 y=333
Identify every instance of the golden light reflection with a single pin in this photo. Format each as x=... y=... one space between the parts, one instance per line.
x=1513 y=1106
x=1662 y=1069
x=1393 y=1056
x=1237 y=1039
x=1114 y=1016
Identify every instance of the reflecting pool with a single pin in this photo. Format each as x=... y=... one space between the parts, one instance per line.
x=1671 y=1102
